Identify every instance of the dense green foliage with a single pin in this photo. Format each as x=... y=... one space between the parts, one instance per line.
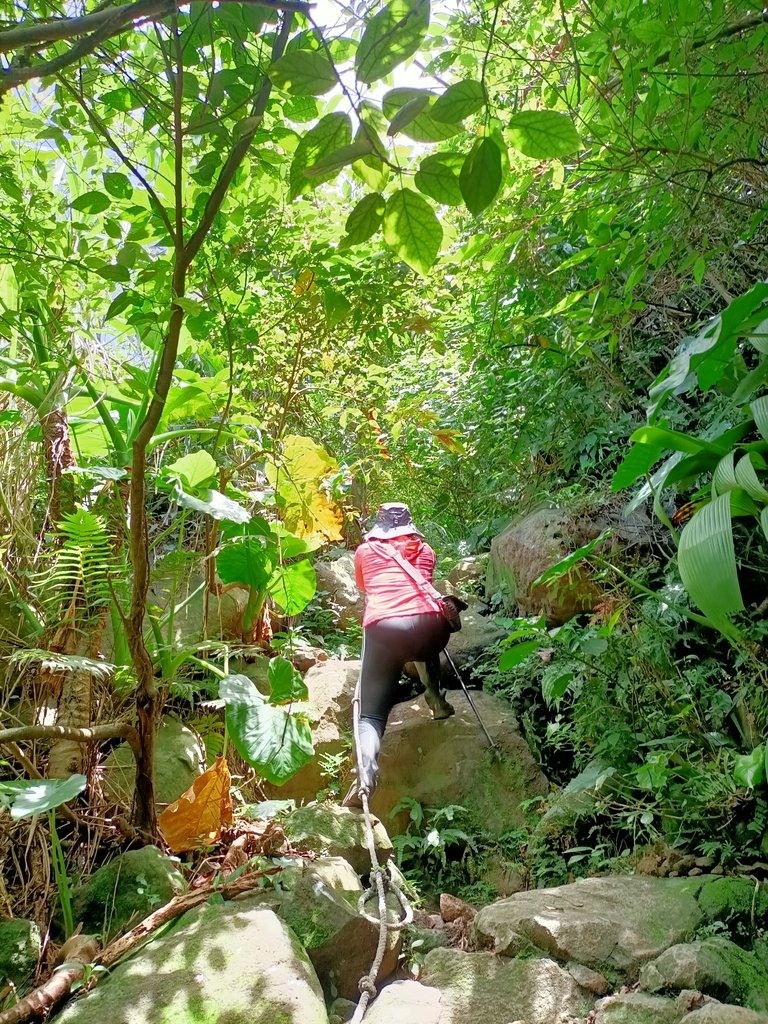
x=264 y=266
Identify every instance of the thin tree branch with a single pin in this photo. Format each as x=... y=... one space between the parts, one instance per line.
x=115 y=19
x=96 y=734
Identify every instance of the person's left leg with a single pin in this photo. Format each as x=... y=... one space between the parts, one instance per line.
x=434 y=694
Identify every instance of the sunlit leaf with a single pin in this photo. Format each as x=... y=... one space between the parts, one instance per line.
x=480 y=177
x=412 y=229
x=293 y=586
x=28 y=797
x=92 y=202
x=749 y=769
x=303 y=73
x=270 y=739
x=365 y=220
x=285 y=682
x=459 y=101
x=299 y=479
x=391 y=36
x=195 y=469
x=438 y=178
x=196 y=818
x=244 y=561
x=330 y=134
x=543 y=134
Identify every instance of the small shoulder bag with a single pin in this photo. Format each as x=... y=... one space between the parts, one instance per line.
x=449 y=606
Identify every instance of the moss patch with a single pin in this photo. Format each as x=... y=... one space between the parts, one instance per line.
x=19 y=952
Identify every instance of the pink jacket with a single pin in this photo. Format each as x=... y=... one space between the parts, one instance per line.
x=389 y=591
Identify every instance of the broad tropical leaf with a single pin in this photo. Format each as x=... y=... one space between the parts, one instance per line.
x=480 y=177
x=438 y=178
x=27 y=797
x=459 y=101
x=196 y=818
x=269 y=738
x=707 y=561
x=543 y=134
x=365 y=220
x=293 y=585
x=412 y=229
x=392 y=36
x=331 y=133
x=303 y=73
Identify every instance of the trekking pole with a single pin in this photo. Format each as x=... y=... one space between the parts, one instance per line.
x=467 y=694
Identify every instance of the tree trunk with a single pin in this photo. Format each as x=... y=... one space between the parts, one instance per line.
x=57 y=448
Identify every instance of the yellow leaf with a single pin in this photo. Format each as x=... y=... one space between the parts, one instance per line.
x=299 y=481
x=448 y=439
x=305 y=282
x=195 y=819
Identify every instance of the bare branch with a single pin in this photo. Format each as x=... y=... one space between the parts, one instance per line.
x=97 y=734
x=115 y=20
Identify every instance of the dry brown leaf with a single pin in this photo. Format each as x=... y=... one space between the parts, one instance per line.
x=196 y=818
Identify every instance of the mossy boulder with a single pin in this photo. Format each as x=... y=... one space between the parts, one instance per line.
x=179 y=760
x=448 y=762
x=318 y=901
x=225 y=963
x=737 y=902
x=332 y=831
x=715 y=966
x=126 y=890
x=613 y=925
x=723 y=1013
x=20 y=946
x=636 y=1008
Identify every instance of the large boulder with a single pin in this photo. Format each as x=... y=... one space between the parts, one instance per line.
x=328 y=830
x=722 y=1013
x=448 y=762
x=459 y=988
x=336 y=585
x=235 y=962
x=126 y=890
x=519 y=555
x=613 y=924
x=331 y=687
x=318 y=900
x=469 y=573
x=636 y=1008
x=20 y=947
x=179 y=760
x=715 y=966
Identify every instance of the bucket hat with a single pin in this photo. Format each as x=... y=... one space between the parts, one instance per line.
x=392 y=520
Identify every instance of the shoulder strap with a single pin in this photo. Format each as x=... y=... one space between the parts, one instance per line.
x=423 y=585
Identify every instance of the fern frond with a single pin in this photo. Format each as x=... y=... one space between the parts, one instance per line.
x=78 y=580
x=55 y=662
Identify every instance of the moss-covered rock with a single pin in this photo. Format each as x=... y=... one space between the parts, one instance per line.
x=179 y=760
x=318 y=900
x=126 y=890
x=332 y=831
x=20 y=947
x=612 y=925
x=715 y=966
x=738 y=902
x=226 y=963
x=722 y=1013
x=636 y=1008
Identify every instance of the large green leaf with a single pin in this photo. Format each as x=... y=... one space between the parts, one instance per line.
x=28 y=797
x=245 y=561
x=438 y=178
x=332 y=162
x=480 y=177
x=677 y=441
x=392 y=36
x=459 y=101
x=303 y=73
x=636 y=463
x=331 y=133
x=211 y=502
x=196 y=469
x=285 y=682
x=749 y=769
x=707 y=561
x=412 y=229
x=293 y=586
x=92 y=202
x=365 y=220
x=759 y=410
x=407 y=113
x=543 y=134
x=270 y=739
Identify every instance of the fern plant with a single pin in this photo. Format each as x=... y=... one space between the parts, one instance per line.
x=76 y=587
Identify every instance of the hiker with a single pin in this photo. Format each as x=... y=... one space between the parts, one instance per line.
x=403 y=622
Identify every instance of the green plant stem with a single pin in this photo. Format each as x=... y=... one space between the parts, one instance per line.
x=61 y=877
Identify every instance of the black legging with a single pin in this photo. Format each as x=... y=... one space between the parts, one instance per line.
x=389 y=644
